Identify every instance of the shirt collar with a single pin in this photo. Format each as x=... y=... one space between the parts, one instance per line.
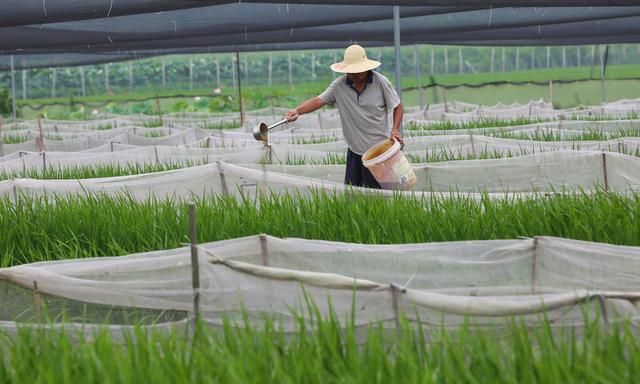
x=369 y=78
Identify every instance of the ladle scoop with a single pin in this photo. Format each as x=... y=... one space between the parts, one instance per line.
x=261 y=132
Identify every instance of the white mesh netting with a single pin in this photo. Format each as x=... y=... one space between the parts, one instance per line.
x=436 y=284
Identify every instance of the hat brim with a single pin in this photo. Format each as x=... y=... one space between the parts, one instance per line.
x=363 y=66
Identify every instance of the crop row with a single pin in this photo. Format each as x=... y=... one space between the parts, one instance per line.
x=35 y=229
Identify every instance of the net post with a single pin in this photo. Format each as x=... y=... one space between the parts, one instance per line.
x=473 y=146
x=223 y=181
x=37 y=302
x=40 y=140
x=155 y=150
x=534 y=259
x=264 y=251
x=44 y=160
x=604 y=171
x=195 y=267
x=603 y=308
x=396 y=291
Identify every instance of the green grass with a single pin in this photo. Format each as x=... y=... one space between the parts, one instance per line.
x=328 y=351
x=35 y=229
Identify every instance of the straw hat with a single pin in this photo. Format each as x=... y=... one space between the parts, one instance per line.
x=355 y=61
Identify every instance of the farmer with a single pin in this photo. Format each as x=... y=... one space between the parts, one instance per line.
x=364 y=98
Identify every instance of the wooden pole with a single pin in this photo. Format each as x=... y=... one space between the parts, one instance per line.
x=604 y=171
x=37 y=303
x=264 y=251
x=195 y=266
x=40 y=135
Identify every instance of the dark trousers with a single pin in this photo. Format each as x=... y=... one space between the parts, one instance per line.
x=357 y=174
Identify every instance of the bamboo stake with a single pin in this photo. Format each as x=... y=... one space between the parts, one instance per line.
x=36 y=302
x=195 y=267
x=604 y=171
x=40 y=139
x=264 y=252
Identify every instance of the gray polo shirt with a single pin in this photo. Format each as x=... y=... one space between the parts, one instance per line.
x=364 y=116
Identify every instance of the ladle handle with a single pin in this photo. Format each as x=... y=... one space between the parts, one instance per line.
x=277 y=124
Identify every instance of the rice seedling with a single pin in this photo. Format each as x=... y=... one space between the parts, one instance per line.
x=95 y=171
x=104 y=127
x=153 y=134
x=35 y=229
x=478 y=123
x=326 y=350
x=151 y=123
x=15 y=139
x=546 y=134
x=314 y=140
x=220 y=125
x=330 y=159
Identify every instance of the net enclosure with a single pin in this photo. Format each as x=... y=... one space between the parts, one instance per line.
x=432 y=284
x=61 y=33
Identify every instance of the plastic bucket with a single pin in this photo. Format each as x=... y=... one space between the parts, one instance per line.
x=389 y=166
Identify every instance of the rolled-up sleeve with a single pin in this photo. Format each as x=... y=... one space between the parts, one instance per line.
x=329 y=94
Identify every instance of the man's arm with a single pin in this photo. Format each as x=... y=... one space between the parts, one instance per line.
x=398 y=112
x=306 y=107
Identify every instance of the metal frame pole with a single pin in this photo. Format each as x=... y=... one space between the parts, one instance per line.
x=396 y=43
x=239 y=89
x=13 y=89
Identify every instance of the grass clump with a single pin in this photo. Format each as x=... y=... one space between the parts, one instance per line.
x=326 y=351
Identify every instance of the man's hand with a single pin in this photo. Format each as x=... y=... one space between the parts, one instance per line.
x=292 y=115
x=395 y=134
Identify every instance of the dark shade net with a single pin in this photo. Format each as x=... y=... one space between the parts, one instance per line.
x=62 y=33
